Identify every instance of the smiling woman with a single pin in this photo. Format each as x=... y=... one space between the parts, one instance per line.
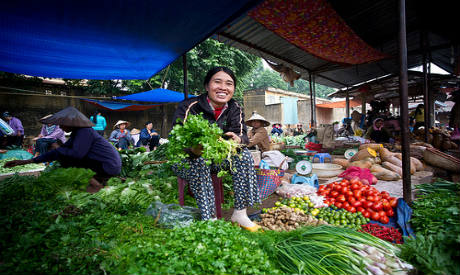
x=217 y=106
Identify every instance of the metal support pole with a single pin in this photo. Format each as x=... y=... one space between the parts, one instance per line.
x=347 y=103
x=315 y=121
x=425 y=88
x=403 y=99
x=184 y=69
x=312 y=120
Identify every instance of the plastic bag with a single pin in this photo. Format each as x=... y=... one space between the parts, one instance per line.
x=363 y=174
x=287 y=190
x=16 y=154
x=172 y=215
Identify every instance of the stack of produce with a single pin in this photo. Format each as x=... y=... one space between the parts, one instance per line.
x=436 y=221
x=307 y=204
x=383 y=164
x=439 y=138
x=354 y=196
x=18 y=169
x=341 y=217
x=286 y=219
x=390 y=234
x=335 y=250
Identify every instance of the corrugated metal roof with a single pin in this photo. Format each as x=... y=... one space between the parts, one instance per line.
x=376 y=22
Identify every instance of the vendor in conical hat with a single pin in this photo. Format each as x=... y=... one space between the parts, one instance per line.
x=258 y=135
x=85 y=148
x=121 y=137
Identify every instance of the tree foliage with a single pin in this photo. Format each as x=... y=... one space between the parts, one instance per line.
x=263 y=78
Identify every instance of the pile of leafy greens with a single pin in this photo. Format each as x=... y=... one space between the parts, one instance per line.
x=436 y=220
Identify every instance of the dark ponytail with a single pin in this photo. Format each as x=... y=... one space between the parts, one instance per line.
x=95 y=116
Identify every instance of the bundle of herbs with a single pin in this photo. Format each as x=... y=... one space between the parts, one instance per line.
x=197 y=132
x=333 y=250
x=436 y=221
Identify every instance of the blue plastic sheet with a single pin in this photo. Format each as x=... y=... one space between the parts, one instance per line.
x=106 y=39
x=401 y=219
x=156 y=95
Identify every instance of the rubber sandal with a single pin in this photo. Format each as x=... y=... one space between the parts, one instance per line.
x=255 y=228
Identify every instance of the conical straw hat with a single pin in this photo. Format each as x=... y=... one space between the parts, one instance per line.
x=121 y=122
x=69 y=117
x=255 y=116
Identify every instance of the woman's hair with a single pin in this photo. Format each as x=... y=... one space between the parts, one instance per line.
x=215 y=70
x=147 y=123
x=95 y=116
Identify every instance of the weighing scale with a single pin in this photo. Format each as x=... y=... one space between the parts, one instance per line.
x=350 y=153
x=303 y=168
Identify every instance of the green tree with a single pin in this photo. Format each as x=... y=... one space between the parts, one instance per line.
x=262 y=78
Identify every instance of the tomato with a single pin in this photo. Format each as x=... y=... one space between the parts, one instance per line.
x=360 y=209
x=332 y=200
x=377 y=206
x=357 y=194
x=352 y=209
x=371 y=198
x=386 y=205
x=334 y=194
x=382 y=213
x=390 y=212
x=327 y=191
x=344 y=190
x=385 y=194
x=351 y=200
x=346 y=204
x=368 y=204
x=357 y=204
x=348 y=208
x=350 y=193
x=362 y=200
x=355 y=186
x=393 y=202
x=375 y=216
x=321 y=187
x=384 y=219
x=344 y=182
x=378 y=198
x=341 y=198
x=338 y=204
x=338 y=188
x=355 y=180
x=366 y=214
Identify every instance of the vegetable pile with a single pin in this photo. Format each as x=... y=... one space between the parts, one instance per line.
x=390 y=234
x=341 y=217
x=354 y=196
x=18 y=169
x=287 y=219
x=335 y=250
x=197 y=131
x=436 y=221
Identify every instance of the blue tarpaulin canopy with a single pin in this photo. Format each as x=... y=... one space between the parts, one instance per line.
x=119 y=106
x=106 y=39
x=157 y=95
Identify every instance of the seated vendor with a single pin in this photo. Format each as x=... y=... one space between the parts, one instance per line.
x=121 y=137
x=85 y=149
x=148 y=137
x=18 y=131
x=276 y=130
x=258 y=135
x=50 y=137
x=377 y=132
x=299 y=130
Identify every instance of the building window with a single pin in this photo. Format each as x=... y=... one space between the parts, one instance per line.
x=272 y=99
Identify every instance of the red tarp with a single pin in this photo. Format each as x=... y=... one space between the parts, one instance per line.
x=314 y=26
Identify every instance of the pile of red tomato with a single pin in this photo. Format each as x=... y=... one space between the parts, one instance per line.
x=353 y=195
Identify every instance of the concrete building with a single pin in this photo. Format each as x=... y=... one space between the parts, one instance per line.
x=271 y=104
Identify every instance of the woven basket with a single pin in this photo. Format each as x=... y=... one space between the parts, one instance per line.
x=442 y=160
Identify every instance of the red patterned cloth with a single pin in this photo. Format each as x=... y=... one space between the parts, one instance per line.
x=314 y=26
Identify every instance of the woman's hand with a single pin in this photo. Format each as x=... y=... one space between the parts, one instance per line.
x=233 y=136
x=13 y=163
